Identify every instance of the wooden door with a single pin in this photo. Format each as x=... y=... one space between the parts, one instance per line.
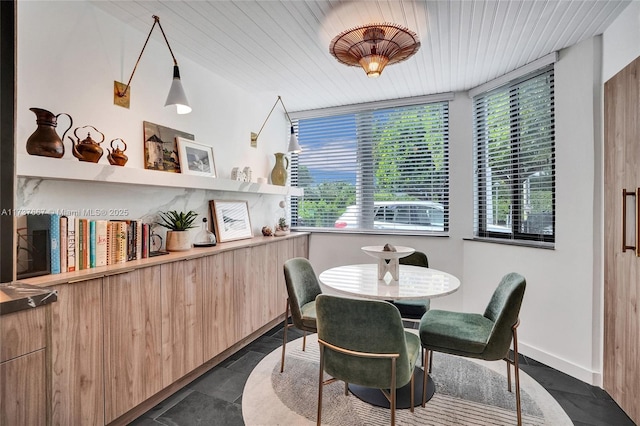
x=132 y=339
x=181 y=318
x=621 y=366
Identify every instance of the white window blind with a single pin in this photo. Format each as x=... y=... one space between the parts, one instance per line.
x=377 y=169
x=514 y=194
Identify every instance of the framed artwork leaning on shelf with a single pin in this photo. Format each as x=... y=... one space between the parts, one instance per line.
x=160 y=150
x=195 y=158
x=231 y=220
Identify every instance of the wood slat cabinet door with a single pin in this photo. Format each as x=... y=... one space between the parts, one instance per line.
x=77 y=384
x=285 y=250
x=182 y=321
x=220 y=315
x=621 y=368
x=301 y=246
x=23 y=394
x=132 y=336
x=249 y=276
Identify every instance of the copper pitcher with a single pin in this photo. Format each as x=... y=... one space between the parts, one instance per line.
x=87 y=149
x=45 y=141
x=116 y=156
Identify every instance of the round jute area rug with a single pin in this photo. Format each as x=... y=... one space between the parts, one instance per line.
x=468 y=392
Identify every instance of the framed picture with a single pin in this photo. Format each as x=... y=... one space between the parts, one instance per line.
x=160 y=150
x=231 y=220
x=195 y=158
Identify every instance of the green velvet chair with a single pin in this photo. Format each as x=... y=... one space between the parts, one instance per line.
x=487 y=336
x=364 y=342
x=302 y=289
x=413 y=310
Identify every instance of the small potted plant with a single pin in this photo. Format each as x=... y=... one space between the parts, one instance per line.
x=178 y=225
x=282 y=228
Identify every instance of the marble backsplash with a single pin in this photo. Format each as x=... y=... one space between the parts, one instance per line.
x=104 y=200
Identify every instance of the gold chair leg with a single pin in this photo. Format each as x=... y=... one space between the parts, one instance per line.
x=304 y=340
x=425 y=374
x=393 y=391
x=320 y=382
x=412 y=390
x=284 y=334
x=517 y=373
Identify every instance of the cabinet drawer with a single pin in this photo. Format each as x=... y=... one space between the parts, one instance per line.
x=22 y=332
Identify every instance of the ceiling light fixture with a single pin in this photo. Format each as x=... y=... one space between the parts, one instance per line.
x=374 y=46
x=177 y=97
x=294 y=146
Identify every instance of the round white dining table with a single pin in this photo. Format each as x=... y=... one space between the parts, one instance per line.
x=414 y=282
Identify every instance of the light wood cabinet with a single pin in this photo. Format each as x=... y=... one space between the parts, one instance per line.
x=219 y=311
x=132 y=336
x=23 y=390
x=122 y=340
x=76 y=347
x=621 y=346
x=23 y=394
x=182 y=321
x=22 y=332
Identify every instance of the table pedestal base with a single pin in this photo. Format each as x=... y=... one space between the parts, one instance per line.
x=393 y=267
x=403 y=394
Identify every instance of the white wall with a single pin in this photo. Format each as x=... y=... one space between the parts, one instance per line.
x=69 y=54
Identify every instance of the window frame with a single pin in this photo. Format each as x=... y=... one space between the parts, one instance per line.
x=516 y=197
x=369 y=108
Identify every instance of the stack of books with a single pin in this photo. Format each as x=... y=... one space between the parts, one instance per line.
x=54 y=243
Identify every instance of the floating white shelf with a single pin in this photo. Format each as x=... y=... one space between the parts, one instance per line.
x=74 y=170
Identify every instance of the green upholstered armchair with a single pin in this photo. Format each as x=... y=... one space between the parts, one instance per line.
x=487 y=336
x=413 y=309
x=364 y=342
x=302 y=289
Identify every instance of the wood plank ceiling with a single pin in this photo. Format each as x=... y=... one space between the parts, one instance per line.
x=281 y=47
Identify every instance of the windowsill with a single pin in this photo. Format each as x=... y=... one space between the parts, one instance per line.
x=372 y=232
x=520 y=243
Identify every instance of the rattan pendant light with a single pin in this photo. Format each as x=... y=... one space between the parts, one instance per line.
x=374 y=46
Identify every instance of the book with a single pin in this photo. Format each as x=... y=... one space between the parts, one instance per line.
x=71 y=243
x=131 y=239
x=138 y=239
x=101 y=242
x=122 y=242
x=78 y=243
x=110 y=239
x=145 y=240
x=64 y=220
x=54 y=229
x=83 y=244
x=92 y=244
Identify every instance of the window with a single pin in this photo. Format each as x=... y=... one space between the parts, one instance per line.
x=514 y=194
x=373 y=168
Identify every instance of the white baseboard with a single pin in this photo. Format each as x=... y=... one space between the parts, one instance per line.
x=589 y=376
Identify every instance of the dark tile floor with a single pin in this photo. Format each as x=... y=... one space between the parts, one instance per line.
x=216 y=397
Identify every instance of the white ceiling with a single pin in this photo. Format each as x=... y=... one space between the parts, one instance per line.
x=282 y=47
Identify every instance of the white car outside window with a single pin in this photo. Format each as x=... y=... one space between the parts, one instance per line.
x=399 y=215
